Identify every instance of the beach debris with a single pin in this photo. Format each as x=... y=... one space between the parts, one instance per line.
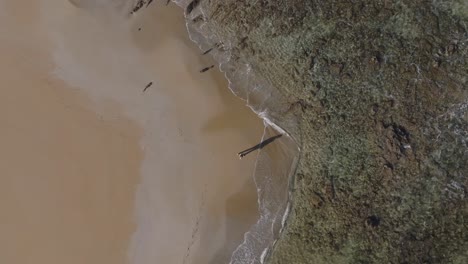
x=168 y=1
x=219 y=46
x=206 y=69
x=139 y=5
x=258 y=146
x=207 y=51
x=147 y=86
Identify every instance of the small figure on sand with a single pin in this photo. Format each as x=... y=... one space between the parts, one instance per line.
x=148 y=86
x=258 y=146
x=206 y=68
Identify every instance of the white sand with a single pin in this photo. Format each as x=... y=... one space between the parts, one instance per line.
x=69 y=166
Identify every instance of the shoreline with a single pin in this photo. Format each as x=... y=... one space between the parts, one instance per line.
x=212 y=192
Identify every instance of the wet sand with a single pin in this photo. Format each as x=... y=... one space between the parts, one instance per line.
x=93 y=169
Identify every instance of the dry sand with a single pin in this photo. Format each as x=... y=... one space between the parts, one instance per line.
x=93 y=170
x=67 y=175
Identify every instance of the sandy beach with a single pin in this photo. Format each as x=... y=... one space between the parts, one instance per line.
x=93 y=169
x=68 y=174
